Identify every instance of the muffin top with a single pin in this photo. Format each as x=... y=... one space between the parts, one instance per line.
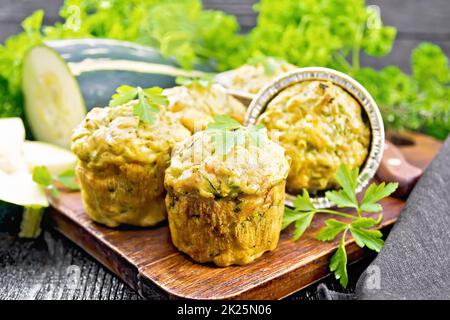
x=114 y=135
x=197 y=104
x=198 y=165
x=321 y=127
x=253 y=77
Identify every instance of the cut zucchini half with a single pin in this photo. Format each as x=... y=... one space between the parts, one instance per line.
x=12 y=135
x=56 y=159
x=54 y=105
x=19 y=188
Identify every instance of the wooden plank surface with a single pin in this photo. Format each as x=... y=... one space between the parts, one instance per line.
x=145 y=257
x=52 y=267
x=139 y=255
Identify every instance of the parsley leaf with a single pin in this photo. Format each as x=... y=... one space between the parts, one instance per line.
x=366 y=222
x=338 y=263
x=204 y=81
x=348 y=180
x=155 y=95
x=359 y=226
x=303 y=221
x=224 y=122
x=289 y=217
x=303 y=202
x=366 y=237
x=144 y=110
x=227 y=133
x=42 y=176
x=331 y=230
x=375 y=193
x=68 y=179
x=302 y=215
x=148 y=100
x=123 y=95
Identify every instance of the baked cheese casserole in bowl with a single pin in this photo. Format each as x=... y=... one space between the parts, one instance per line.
x=323 y=118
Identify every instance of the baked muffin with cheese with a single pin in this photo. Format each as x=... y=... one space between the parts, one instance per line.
x=252 y=77
x=226 y=208
x=198 y=103
x=121 y=164
x=321 y=126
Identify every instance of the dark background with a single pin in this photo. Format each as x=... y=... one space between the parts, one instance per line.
x=54 y=268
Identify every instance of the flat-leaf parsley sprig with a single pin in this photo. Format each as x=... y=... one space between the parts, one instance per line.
x=356 y=224
x=148 y=100
x=227 y=133
x=42 y=176
x=204 y=81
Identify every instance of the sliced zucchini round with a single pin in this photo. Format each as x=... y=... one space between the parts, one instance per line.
x=53 y=101
x=102 y=65
x=12 y=135
x=19 y=188
x=56 y=159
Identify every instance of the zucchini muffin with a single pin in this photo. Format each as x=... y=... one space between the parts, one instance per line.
x=225 y=209
x=196 y=105
x=321 y=127
x=251 y=78
x=121 y=164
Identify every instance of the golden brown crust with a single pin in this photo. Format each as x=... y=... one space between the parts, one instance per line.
x=227 y=230
x=122 y=164
x=196 y=166
x=124 y=194
x=196 y=105
x=252 y=78
x=115 y=135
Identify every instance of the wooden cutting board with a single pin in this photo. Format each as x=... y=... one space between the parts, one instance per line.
x=145 y=257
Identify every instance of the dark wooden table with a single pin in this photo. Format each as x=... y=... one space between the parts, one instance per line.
x=52 y=267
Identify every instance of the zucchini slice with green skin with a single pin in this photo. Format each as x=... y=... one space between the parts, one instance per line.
x=16 y=183
x=17 y=187
x=12 y=136
x=30 y=227
x=63 y=77
x=53 y=101
x=102 y=65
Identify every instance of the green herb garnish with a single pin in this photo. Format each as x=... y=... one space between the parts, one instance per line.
x=68 y=179
x=358 y=225
x=42 y=176
x=148 y=100
x=228 y=133
x=204 y=81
